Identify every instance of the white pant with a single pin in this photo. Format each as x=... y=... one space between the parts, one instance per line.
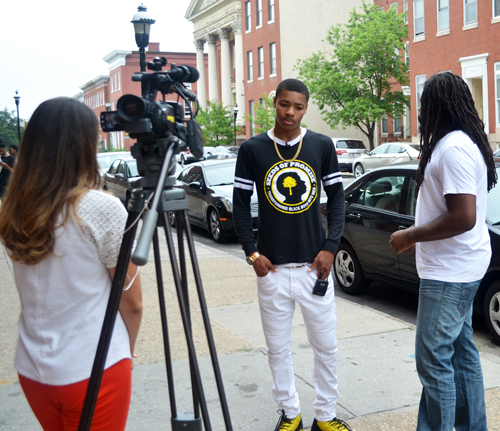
x=278 y=292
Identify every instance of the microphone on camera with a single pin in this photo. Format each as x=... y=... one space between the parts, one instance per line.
x=183 y=73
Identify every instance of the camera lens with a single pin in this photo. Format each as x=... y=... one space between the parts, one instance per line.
x=131 y=108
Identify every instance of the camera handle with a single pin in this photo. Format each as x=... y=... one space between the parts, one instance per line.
x=165 y=199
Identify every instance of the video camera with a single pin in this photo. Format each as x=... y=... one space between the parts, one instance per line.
x=154 y=123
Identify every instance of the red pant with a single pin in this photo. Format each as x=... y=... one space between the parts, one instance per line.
x=58 y=408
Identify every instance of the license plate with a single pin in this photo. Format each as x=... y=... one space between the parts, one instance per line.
x=356 y=155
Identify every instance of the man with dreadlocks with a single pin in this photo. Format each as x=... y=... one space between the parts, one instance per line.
x=452 y=251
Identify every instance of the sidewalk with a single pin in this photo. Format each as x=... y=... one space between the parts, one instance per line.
x=379 y=387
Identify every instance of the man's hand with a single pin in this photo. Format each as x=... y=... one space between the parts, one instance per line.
x=263 y=265
x=402 y=240
x=323 y=263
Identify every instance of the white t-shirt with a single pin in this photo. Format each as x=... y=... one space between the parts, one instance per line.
x=456 y=167
x=64 y=297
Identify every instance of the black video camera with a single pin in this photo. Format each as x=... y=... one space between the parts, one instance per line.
x=146 y=119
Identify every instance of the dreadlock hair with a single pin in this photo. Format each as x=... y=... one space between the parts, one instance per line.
x=446 y=105
x=292 y=84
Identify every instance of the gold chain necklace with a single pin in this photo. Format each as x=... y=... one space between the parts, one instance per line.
x=298 y=149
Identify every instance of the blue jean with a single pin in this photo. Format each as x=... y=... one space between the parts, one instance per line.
x=447 y=359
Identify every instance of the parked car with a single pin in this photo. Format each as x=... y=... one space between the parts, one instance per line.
x=347 y=151
x=382 y=202
x=496 y=155
x=121 y=178
x=223 y=152
x=185 y=158
x=209 y=192
x=385 y=155
x=105 y=159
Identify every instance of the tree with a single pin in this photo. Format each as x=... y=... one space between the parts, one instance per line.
x=265 y=115
x=8 y=127
x=352 y=85
x=217 y=124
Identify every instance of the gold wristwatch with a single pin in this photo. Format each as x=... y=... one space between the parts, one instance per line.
x=253 y=257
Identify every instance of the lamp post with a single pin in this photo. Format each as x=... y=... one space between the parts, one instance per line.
x=142 y=22
x=16 y=98
x=235 y=110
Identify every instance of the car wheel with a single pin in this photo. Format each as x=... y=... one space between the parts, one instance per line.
x=348 y=272
x=215 y=227
x=171 y=218
x=358 y=170
x=492 y=310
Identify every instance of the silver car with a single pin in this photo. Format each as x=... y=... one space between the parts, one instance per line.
x=385 y=155
x=348 y=150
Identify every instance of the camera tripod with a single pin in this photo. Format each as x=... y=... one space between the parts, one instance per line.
x=162 y=199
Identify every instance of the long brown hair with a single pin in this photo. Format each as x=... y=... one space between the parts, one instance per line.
x=56 y=167
x=446 y=105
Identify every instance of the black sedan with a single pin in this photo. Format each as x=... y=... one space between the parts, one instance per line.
x=209 y=192
x=378 y=204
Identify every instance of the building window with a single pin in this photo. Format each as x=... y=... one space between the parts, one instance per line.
x=397 y=125
x=405 y=9
x=394 y=6
x=418 y=18
x=272 y=54
x=496 y=8
x=250 y=65
x=385 y=127
x=260 y=52
x=470 y=11
x=259 y=13
x=248 y=15
x=407 y=53
x=419 y=81
x=251 y=112
x=443 y=15
x=497 y=91
x=118 y=78
x=271 y=10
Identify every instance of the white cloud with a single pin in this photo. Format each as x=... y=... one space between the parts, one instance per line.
x=50 y=49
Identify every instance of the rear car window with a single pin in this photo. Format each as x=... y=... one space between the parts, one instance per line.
x=351 y=144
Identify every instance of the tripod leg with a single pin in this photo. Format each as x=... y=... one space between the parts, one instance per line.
x=206 y=321
x=187 y=330
x=164 y=325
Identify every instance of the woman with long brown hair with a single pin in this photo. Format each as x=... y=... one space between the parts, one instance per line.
x=63 y=236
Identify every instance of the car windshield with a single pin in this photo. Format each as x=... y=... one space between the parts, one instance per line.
x=220 y=175
x=105 y=159
x=415 y=146
x=493 y=204
x=351 y=144
x=132 y=166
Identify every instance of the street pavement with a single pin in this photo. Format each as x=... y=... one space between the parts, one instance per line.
x=379 y=386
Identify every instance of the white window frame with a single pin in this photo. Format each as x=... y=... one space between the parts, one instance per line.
x=270 y=10
x=259 y=14
x=272 y=58
x=260 y=59
x=496 y=9
x=405 y=9
x=443 y=11
x=497 y=93
x=118 y=79
x=394 y=6
x=249 y=66
x=472 y=4
x=384 y=126
x=248 y=16
x=419 y=86
x=407 y=53
x=415 y=18
x=394 y=119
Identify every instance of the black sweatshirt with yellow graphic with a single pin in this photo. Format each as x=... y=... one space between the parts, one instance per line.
x=290 y=225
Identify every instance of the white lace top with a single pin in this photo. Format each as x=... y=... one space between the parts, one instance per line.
x=64 y=297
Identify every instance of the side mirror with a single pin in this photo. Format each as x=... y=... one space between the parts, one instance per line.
x=195 y=185
x=119 y=176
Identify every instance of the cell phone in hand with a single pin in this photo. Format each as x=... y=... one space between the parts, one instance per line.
x=320 y=287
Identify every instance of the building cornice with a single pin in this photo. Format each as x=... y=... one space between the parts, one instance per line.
x=116 y=58
x=102 y=79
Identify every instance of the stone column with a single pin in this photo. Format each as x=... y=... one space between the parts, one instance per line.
x=213 y=86
x=239 y=74
x=200 y=65
x=225 y=68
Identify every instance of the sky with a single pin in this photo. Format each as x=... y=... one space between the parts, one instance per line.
x=51 y=49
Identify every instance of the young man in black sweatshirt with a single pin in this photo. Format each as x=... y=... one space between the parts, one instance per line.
x=286 y=166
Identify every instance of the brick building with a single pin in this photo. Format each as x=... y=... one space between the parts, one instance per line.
x=254 y=44
x=104 y=91
x=459 y=36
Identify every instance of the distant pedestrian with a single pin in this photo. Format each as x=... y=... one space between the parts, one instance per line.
x=6 y=165
x=288 y=166
x=13 y=150
x=452 y=252
x=63 y=236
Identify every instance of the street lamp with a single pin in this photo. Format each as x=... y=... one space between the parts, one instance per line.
x=235 y=110
x=142 y=22
x=16 y=98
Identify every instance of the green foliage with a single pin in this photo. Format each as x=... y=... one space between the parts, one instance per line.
x=352 y=84
x=217 y=123
x=8 y=127
x=265 y=115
